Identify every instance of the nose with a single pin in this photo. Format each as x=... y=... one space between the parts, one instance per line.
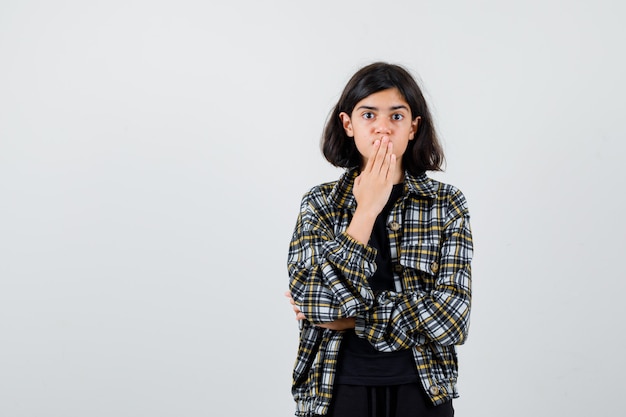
x=382 y=126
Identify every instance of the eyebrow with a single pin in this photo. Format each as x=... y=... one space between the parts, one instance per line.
x=400 y=106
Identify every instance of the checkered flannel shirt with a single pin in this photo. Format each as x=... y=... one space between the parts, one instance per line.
x=428 y=312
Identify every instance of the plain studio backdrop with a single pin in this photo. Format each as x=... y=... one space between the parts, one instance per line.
x=152 y=159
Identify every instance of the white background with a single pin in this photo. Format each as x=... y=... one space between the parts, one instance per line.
x=152 y=159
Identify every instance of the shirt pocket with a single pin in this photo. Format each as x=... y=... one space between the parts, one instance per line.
x=420 y=264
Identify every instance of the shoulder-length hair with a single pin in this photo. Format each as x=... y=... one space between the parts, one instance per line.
x=424 y=153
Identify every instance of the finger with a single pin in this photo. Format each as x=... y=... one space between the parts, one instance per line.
x=393 y=167
x=385 y=159
x=370 y=160
x=288 y=295
x=381 y=154
x=389 y=162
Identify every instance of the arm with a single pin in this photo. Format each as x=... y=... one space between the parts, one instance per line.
x=328 y=272
x=339 y=324
x=403 y=320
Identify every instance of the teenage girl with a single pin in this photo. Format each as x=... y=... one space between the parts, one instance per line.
x=379 y=261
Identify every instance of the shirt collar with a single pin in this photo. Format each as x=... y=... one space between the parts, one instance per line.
x=341 y=194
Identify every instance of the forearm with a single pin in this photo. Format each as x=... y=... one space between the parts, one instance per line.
x=361 y=225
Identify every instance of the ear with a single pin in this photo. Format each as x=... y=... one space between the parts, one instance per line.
x=346 y=123
x=414 y=125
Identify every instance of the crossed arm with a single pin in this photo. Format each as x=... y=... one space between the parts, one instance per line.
x=328 y=288
x=339 y=324
x=328 y=285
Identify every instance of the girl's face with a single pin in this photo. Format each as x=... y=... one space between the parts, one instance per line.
x=385 y=113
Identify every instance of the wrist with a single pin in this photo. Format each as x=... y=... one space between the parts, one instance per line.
x=366 y=213
x=361 y=225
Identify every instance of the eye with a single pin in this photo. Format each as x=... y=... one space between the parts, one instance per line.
x=397 y=116
x=368 y=115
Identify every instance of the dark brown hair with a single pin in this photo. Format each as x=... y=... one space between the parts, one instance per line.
x=424 y=153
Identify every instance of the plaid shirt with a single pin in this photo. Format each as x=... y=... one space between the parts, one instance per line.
x=431 y=249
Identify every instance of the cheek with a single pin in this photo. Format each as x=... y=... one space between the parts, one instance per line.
x=400 y=147
x=362 y=147
x=365 y=147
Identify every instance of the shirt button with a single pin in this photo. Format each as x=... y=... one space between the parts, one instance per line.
x=397 y=268
x=395 y=226
x=434 y=267
x=434 y=390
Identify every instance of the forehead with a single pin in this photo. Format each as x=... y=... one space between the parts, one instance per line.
x=384 y=99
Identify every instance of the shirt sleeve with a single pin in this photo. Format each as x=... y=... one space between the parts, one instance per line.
x=404 y=320
x=328 y=273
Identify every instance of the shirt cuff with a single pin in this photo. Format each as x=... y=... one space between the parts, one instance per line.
x=345 y=249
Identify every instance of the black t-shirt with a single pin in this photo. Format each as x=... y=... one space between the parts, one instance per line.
x=359 y=363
